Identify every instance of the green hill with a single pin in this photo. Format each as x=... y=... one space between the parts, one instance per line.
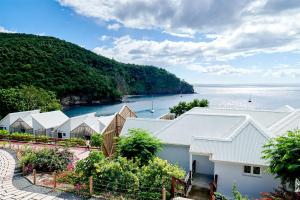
x=72 y=71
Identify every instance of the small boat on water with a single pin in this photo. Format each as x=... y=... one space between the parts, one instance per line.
x=152 y=110
x=250 y=99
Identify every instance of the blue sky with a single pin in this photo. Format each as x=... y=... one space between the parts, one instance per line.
x=205 y=41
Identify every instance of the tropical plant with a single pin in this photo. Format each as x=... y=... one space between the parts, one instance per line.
x=280 y=194
x=96 y=140
x=183 y=106
x=283 y=155
x=155 y=174
x=119 y=175
x=237 y=195
x=46 y=160
x=139 y=144
x=86 y=167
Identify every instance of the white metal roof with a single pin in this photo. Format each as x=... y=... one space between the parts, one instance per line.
x=95 y=123
x=289 y=123
x=105 y=120
x=245 y=146
x=184 y=128
x=265 y=117
x=151 y=125
x=12 y=117
x=50 y=119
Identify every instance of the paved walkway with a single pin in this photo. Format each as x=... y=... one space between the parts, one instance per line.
x=7 y=189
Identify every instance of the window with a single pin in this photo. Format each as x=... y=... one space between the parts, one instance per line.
x=256 y=170
x=64 y=134
x=251 y=170
x=247 y=169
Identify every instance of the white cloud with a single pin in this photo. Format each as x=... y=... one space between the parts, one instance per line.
x=236 y=28
x=223 y=70
x=114 y=26
x=104 y=37
x=3 y=30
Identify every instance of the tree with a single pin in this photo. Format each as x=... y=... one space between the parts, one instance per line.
x=27 y=98
x=283 y=154
x=139 y=144
x=183 y=106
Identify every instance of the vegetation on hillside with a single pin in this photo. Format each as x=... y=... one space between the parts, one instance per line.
x=70 y=70
x=183 y=106
x=27 y=98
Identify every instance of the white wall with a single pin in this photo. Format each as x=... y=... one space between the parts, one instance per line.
x=203 y=165
x=176 y=154
x=36 y=126
x=5 y=123
x=230 y=174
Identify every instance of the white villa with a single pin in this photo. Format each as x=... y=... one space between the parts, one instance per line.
x=46 y=123
x=223 y=142
x=18 y=121
x=83 y=126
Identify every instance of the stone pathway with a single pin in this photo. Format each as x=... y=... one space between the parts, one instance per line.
x=7 y=189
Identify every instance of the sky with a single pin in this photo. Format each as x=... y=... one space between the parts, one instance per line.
x=203 y=41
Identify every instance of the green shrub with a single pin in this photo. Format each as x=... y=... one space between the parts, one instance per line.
x=119 y=175
x=139 y=144
x=86 y=167
x=26 y=137
x=96 y=140
x=46 y=160
x=155 y=172
x=4 y=134
x=183 y=106
x=43 y=139
x=283 y=155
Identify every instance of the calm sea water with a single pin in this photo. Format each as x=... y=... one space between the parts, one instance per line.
x=229 y=96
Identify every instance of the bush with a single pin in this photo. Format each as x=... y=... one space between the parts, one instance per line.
x=86 y=167
x=156 y=171
x=4 y=134
x=26 y=137
x=120 y=175
x=96 y=140
x=183 y=106
x=43 y=139
x=139 y=144
x=46 y=160
x=126 y=176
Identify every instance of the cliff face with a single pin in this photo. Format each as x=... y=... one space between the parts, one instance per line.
x=75 y=74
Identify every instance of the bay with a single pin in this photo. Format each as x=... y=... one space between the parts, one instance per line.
x=225 y=96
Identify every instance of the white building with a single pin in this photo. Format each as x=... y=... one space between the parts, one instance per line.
x=18 y=121
x=83 y=126
x=223 y=142
x=45 y=123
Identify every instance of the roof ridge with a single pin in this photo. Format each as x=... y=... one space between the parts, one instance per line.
x=279 y=124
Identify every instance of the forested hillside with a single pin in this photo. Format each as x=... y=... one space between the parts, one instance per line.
x=72 y=71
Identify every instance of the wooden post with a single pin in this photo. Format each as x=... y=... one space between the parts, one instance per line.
x=54 y=179
x=34 y=176
x=173 y=187
x=23 y=170
x=91 y=185
x=163 y=193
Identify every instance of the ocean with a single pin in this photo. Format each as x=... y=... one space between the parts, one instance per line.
x=226 y=96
